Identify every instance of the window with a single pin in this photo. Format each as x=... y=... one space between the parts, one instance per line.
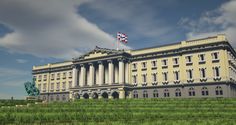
x=39 y=87
x=64 y=75
x=70 y=84
x=40 y=78
x=188 y=59
x=154 y=64
x=166 y=93
x=134 y=66
x=176 y=61
x=176 y=75
x=155 y=93
x=134 y=79
x=203 y=72
x=52 y=86
x=44 y=86
x=44 y=97
x=201 y=58
x=154 y=77
x=215 y=56
x=58 y=76
x=70 y=74
x=63 y=97
x=52 y=76
x=177 y=92
x=51 y=98
x=191 y=91
x=144 y=65
x=204 y=91
x=164 y=62
x=58 y=98
x=58 y=86
x=216 y=71
x=219 y=90
x=144 y=78
x=190 y=74
x=145 y=94
x=135 y=94
x=165 y=76
x=64 y=85
x=44 y=77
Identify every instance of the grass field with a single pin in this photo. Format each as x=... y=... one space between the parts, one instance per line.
x=130 y=111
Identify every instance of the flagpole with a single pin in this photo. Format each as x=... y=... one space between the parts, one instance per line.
x=117 y=41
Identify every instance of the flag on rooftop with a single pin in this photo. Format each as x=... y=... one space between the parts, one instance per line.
x=122 y=37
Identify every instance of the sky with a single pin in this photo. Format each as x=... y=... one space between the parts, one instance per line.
x=37 y=32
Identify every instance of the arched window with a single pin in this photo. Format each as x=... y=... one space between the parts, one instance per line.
x=135 y=94
x=177 y=92
x=204 y=91
x=145 y=94
x=191 y=91
x=51 y=98
x=166 y=93
x=155 y=93
x=57 y=98
x=219 y=90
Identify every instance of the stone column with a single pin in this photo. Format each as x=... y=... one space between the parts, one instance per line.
x=111 y=72
x=83 y=74
x=127 y=73
x=91 y=74
x=100 y=73
x=74 y=76
x=121 y=71
x=121 y=93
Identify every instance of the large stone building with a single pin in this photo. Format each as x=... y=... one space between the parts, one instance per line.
x=188 y=69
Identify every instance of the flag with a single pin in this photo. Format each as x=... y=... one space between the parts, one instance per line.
x=122 y=37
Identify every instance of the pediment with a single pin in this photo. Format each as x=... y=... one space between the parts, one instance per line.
x=99 y=52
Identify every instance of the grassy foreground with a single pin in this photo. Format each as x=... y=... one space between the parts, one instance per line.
x=130 y=111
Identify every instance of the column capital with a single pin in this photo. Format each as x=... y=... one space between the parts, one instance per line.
x=74 y=66
x=100 y=62
x=121 y=59
x=91 y=63
x=82 y=65
x=110 y=61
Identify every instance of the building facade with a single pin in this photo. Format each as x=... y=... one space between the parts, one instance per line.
x=188 y=69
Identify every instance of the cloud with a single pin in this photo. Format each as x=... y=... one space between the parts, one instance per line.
x=50 y=28
x=219 y=21
x=21 y=60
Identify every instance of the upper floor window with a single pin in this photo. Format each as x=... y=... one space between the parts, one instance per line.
x=70 y=74
x=176 y=75
x=40 y=78
x=44 y=77
x=70 y=84
x=176 y=61
x=144 y=65
x=134 y=79
x=64 y=75
x=164 y=62
x=52 y=76
x=154 y=64
x=188 y=59
x=52 y=86
x=64 y=85
x=165 y=77
x=201 y=57
x=215 y=56
x=216 y=71
x=58 y=75
x=134 y=66
x=203 y=72
x=154 y=77
x=144 y=78
x=189 y=74
x=58 y=85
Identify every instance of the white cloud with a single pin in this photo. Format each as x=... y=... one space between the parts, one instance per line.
x=21 y=60
x=219 y=21
x=50 y=28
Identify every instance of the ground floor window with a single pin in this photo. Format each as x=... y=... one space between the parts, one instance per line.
x=204 y=91
x=155 y=93
x=135 y=94
x=178 y=93
x=191 y=91
x=166 y=93
x=219 y=90
x=145 y=94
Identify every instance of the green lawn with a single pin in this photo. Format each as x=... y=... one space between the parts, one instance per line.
x=130 y=111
